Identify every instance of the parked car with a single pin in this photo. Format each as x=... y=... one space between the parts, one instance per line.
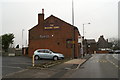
x=47 y=54
x=117 y=51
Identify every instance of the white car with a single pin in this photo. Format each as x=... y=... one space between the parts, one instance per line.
x=47 y=54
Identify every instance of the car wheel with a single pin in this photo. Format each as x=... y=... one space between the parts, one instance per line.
x=36 y=57
x=55 y=58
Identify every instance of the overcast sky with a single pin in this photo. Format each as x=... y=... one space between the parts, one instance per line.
x=23 y=14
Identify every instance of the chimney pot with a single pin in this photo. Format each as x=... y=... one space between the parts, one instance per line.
x=42 y=11
x=41 y=18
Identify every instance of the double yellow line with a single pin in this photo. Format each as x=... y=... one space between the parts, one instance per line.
x=104 y=61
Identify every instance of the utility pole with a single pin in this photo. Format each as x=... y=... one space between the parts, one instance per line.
x=82 y=46
x=22 y=37
x=83 y=28
x=82 y=40
x=72 y=13
x=73 y=36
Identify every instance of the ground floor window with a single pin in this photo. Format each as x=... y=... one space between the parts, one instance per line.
x=69 y=43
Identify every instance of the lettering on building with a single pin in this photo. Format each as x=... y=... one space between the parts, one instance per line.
x=44 y=36
x=51 y=26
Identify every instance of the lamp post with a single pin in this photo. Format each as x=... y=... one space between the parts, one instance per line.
x=22 y=37
x=73 y=35
x=82 y=41
x=83 y=28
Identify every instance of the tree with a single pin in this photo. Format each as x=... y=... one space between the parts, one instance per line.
x=115 y=42
x=7 y=39
x=17 y=46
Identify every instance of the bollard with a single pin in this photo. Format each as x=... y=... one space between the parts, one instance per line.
x=33 y=61
x=94 y=52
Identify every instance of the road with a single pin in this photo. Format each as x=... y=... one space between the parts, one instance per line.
x=98 y=66
x=14 y=64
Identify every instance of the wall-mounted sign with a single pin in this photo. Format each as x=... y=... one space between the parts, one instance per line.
x=51 y=26
x=54 y=27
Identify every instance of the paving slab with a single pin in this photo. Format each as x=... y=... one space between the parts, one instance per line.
x=75 y=61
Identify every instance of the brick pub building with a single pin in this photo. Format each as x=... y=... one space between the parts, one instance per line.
x=54 y=34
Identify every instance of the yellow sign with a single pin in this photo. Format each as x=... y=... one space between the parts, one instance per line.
x=55 y=27
x=73 y=42
x=47 y=27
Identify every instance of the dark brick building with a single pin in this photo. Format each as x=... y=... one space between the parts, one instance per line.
x=90 y=46
x=54 y=34
x=103 y=44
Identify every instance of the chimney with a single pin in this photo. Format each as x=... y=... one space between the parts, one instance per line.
x=107 y=40
x=42 y=11
x=101 y=36
x=41 y=18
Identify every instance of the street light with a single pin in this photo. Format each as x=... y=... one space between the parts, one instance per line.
x=73 y=36
x=22 y=37
x=83 y=28
x=82 y=40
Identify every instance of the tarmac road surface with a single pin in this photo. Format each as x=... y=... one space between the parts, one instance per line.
x=15 y=64
x=98 y=66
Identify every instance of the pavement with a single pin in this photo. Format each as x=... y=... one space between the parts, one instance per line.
x=55 y=71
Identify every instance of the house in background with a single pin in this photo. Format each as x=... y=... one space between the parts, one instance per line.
x=103 y=44
x=90 y=46
x=54 y=34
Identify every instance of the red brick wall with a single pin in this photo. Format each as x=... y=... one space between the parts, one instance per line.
x=77 y=46
x=57 y=42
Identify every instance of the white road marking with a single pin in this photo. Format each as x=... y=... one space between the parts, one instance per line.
x=12 y=67
x=16 y=72
x=116 y=56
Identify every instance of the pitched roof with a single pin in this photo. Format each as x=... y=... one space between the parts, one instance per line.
x=60 y=20
x=102 y=39
x=90 y=41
